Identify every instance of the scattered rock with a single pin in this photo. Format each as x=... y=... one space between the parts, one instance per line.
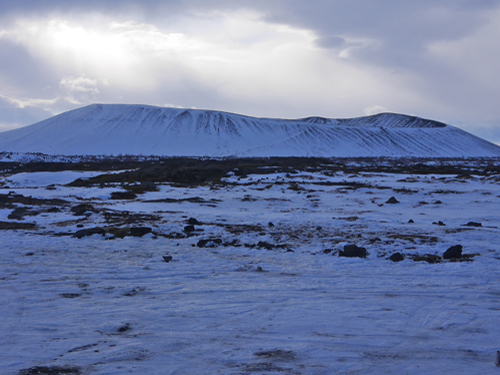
x=193 y=221
x=440 y=223
x=89 y=232
x=139 y=231
x=453 y=252
x=396 y=257
x=124 y=328
x=209 y=242
x=353 y=251
x=123 y=195
x=392 y=200
x=167 y=258
x=270 y=225
x=473 y=224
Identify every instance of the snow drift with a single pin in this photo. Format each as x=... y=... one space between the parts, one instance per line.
x=115 y=129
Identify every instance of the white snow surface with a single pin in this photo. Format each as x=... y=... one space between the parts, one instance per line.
x=66 y=301
x=113 y=129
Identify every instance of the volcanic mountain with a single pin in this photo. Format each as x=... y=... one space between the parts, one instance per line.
x=114 y=129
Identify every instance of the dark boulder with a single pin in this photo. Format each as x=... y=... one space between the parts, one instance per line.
x=167 y=258
x=353 y=251
x=473 y=224
x=139 y=231
x=396 y=257
x=453 y=252
x=189 y=228
x=392 y=200
x=193 y=221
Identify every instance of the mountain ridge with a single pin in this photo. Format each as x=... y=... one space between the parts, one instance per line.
x=112 y=129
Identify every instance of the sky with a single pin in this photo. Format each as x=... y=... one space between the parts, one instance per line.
x=275 y=58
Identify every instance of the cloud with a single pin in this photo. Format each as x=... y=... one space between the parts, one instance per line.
x=435 y=59
x=14 y=115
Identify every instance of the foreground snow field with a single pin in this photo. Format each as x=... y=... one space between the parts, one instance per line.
x=256 y=285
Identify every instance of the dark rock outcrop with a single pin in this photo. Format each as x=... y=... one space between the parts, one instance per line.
x=353 y=251
x=392 y=200
x=396 y=257
x=454 y=252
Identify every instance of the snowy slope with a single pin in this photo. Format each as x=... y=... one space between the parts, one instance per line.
x=145 y=130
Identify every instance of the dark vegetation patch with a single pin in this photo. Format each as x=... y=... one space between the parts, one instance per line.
x=126 y=218
x=52 y=370
x=11 y=200
x=414 y=238
x=20 y=212
x=141 y=173
x=278 y=354
x=6 y=225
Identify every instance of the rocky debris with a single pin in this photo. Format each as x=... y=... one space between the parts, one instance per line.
x=193 y=221
x=139 y=231
x=473 y=224
x=209 y=242
x=270 y=225
x=167 y=258
x=454 y=252
x=439 y=223
x=396 y=257
x=353 y=251
x=429 y=258
x=52 y=370
x=89 y=232
x=124 y=328
x=81 y=209
x=392 y=200
x=123 y=195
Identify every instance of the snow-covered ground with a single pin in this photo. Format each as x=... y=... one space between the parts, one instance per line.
x=267 y=293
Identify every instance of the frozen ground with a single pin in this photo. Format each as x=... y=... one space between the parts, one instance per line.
x=267 y=292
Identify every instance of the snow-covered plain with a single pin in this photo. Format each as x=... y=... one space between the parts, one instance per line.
x=104 y=305
x=114 y=129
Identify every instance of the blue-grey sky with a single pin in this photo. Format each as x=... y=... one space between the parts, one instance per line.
x=281 y=58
